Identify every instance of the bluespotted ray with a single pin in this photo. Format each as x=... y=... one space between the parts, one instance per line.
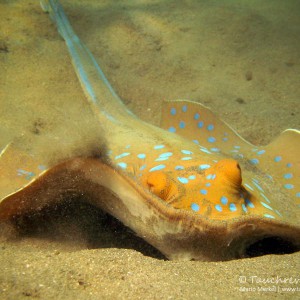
x=194 y=190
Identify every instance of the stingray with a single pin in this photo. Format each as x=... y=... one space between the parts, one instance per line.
x=194 y=188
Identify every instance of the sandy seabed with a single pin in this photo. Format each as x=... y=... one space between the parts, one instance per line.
x=240 y=58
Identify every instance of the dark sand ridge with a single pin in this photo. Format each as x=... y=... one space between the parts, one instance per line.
x=241 y=59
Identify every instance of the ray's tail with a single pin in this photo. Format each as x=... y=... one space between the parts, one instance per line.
x=100 y=94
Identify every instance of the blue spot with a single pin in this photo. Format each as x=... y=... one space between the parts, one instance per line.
x=29 y=175
x=143 y=167
x=183 y=180
x=159 y=147
x=192 y=177
x=196 y=142
x=263 y=195
x=208 y=184
x=196 y=116
x=109 y=117
x=210 y=127
x=122 y=165
x=157 y=168
x=172 y=129
x=203 y=192
x=141 y=155
x=184 y=108
x=195 y=207
x=289 y=186
x=23 y=172
x=186 y=158
x=122 y=155
x=209 y=176
x=162 y=158
x=200 y=124
x=244 y=208
x=254 y=161
x=173 y=111
x=224 y=200
x=215 y=149
x=266 y=205
x=204 y=167
x=277 y=158
x=42 y=167
x=225 y=139
x=186 y=152
x=211 y=139
x=213 y=176
x=260 y=152
x=218 y=207
x=255 y=182
x=179 y=168
x=298 y=195
x=269 y=216
x=249 y=187
x=166 y=154
x=232 y=207
x=181 y=124
x=288 y=176
x=205 y=151
x=237 y=147
x=249 y=203
x=288 y=165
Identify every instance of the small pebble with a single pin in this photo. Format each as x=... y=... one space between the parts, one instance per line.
x=56 y=252
x=248 y=75
x=289 y=63
x=240 y=100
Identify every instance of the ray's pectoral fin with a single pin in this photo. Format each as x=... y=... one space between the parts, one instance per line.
x=279 y=161
x=31 y=178
x=198 y=123
x=27 y=186
x=17 y=170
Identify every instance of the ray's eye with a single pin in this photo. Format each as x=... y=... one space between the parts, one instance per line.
x=163 y=186
x=230 y=170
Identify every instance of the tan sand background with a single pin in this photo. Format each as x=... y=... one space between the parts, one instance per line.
x=241 y=58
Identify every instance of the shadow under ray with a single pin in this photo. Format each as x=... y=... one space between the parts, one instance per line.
x=76 y=221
